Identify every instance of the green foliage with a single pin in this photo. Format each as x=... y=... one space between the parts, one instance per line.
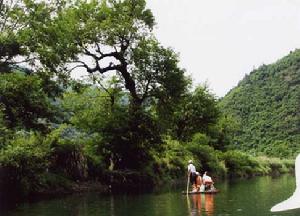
x=197 y=112
x=127 y=140
x=266 y=105
x=25 y=103
x=279 y=148
x=91 y=109
x=133 y=142
x=4 y=132
x=10 y=45
x=222 y=133
x=121 y=28
x=171 y=162
x=25 y=150
x=9 y=48
x=275 y=165
x=240 y=164
x=200 y=139
x=157 y=73
x=205 y=156
x=67 y=155
x=24 y=159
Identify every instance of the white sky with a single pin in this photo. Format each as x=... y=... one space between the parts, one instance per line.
x=219 y=41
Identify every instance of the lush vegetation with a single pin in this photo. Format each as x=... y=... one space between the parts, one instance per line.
x=134 y=121
x=266 y=106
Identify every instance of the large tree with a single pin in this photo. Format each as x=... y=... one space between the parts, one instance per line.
x=105 y=36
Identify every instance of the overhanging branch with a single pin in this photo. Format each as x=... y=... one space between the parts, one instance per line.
x=97 y=68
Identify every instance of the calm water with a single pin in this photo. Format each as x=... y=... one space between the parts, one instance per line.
x=248 y=197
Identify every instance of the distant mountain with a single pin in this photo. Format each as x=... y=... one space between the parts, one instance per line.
x=266 y=104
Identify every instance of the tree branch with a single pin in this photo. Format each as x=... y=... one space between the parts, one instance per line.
x=102 y=55
x=111 y=67
x=97 y=68
x=98 y=49
x=145 y=95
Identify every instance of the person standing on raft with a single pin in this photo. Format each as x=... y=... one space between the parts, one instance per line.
x=192 y=174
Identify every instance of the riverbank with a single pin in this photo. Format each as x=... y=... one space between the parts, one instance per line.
x=241 y=165
x=32 y=165
x=235 y=164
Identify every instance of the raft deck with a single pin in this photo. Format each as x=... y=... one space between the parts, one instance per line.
x=201 y=192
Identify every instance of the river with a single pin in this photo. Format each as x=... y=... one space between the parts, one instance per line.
x=252 y=197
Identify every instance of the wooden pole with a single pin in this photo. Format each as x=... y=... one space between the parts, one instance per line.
x=187 y=185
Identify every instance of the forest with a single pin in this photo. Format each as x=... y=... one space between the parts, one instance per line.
x=134 y=119
x=266 y=105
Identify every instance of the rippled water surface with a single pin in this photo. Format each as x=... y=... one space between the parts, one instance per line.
x=252 y=197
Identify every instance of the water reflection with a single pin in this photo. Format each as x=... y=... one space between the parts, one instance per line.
x=112 y=206
x=202 y=203
x=238 y=198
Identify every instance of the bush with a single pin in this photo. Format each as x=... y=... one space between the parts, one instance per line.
x=171 y=163
x=239 y=164
x=96 y=155
x=67 y=156
x=5 y=133
x=23 y=160
x=276 y=165
x=280 y=149
x=206 y=157
x=289 y=164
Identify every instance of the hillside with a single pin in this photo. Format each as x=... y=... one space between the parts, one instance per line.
x=266 y=105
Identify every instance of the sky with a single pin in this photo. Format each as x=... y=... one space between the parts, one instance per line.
x=219 y=41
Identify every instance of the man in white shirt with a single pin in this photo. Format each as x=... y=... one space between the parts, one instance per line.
x=192 y=174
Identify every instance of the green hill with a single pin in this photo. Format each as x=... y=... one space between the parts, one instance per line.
x=266 y=105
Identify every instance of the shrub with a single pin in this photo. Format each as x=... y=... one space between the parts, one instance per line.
x=200 y=139
x=205 y=155
x=240 y=164
x=171 y=162
x=23 y=160
x=275 y=165
x=67 y=156
x=279 y=149
x=4 y=131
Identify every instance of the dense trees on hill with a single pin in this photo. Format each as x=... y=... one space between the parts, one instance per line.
x=266 y=105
